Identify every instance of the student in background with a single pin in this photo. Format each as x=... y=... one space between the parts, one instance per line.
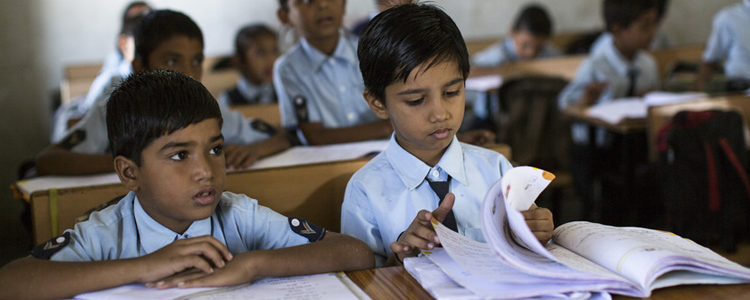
x=255 y=51
x=165 y=136
x=164 y=39
x=622 y=69
x=414 y=61
x=660 y=40
x=319 y=84
x=729 y=42
x=381 y=6
x=116 y=67
x=528 y=39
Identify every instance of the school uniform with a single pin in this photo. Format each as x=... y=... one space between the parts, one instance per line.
x=730 y=40
x=314 y=87
x=504 y=52
x=383 y=198
x=125 y=230
x=102 y=86
x=89 y=136
x=246 y=92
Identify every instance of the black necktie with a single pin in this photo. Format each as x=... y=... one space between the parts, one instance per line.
x=441 y=189
x=632 y=74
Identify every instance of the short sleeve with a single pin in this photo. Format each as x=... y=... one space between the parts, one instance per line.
x=574 y=90
x=265 y=229
x=89 y=136
x=239 y=130
x=288 y=87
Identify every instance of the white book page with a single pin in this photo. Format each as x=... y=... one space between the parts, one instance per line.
x=619 y=109
x=138 y=291
x=640 y=254
x=317 y=154
x=483 y=83
x=319 y=286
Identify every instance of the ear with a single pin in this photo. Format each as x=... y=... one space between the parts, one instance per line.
x=127 y=170
x=283 y=16
x=138 y=66
x=376 y=105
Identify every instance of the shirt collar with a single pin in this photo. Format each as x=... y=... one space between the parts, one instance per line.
x=616 y=59
x=413 y=171
x=344 y=50
x=154 y=236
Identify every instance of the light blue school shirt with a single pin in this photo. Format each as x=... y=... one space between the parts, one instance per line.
x=610 y=66
x=730 y=40
x=263 y=92
x=92 y=130
x=331 y=85
x=125 y=230
x=505 y=51
x=383 y=198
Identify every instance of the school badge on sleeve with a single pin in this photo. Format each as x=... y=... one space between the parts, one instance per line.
x=50 y=247
x=311 y=232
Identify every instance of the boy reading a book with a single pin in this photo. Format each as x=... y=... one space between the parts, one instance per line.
x=165 y=135
x=164 y=39
x=414 y=63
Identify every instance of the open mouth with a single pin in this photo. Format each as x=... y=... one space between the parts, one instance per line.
x=205 y=197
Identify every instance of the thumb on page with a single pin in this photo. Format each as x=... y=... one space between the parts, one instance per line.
x=444 y=208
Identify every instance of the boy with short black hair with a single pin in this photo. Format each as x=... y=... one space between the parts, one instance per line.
x=165 y=134
x=164 y=39
x=528 y=39
x=255 y=51
x=414 y=62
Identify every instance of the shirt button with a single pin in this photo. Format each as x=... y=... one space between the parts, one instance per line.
x=350 y=116
x=435 y=174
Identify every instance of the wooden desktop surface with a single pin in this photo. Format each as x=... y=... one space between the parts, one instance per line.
x=397 y=283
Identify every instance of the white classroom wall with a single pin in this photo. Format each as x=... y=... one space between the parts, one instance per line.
x=39 y=37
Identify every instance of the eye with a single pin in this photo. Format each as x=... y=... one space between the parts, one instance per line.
x=171 y=62
x=452 y=93
x=179 y=156
x=414 y=102
x=198 y=61
x=217 y=150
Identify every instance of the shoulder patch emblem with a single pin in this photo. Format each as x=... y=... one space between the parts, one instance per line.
x=312 y=232
x=74 y=138
x=300 y=109
x=50 y=247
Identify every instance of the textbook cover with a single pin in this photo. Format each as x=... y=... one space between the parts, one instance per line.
x=581 y=257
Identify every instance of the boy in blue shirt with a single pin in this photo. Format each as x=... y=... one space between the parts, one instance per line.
x=255 y=51
x=729 y=42
x=319 y=84
x=165 y=134
x=164 y=39
x=414 y=61
x=528 y=40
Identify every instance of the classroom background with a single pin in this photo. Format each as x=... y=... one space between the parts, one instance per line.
x=39 y=37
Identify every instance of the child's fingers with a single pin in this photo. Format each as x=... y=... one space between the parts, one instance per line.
x=538 y=213
x=444 y=208
x=399 y=247
x=421 y=237
x=176 y=280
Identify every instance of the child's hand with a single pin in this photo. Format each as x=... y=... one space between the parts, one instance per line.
x=540 y=222
x=477 y=137
x=420 y=234
x=203 y=253
x=238 y=271
x=239 y=157
x=592 y=92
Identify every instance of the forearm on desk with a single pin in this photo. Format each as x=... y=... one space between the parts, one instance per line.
x=316 y=134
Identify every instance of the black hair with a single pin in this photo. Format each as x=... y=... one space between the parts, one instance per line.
x=149 y=105
x=284 y=4
x=661 y=9
x=403 y=37
x=625 y=12
x=534 y=19
x=159 y=26
x=129 y=21
x=247 y=35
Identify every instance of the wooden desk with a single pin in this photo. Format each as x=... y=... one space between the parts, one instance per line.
x=666 y=58
x=267 y=112
x=397 y=283
x=561 y=66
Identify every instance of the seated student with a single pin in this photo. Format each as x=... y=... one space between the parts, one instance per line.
x=729 y=42
x=528 y=40
x=416 y=81
x=319 y=84
x=255 y=50
x=381 y=5
x=165 y=136
x=116 y=67
x=660 y=40
x=164 y=39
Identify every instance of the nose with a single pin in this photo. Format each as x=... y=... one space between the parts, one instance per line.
x=438 y=110
x=202 y=169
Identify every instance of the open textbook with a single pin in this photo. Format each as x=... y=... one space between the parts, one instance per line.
x=335 y=286
x=582 y=256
